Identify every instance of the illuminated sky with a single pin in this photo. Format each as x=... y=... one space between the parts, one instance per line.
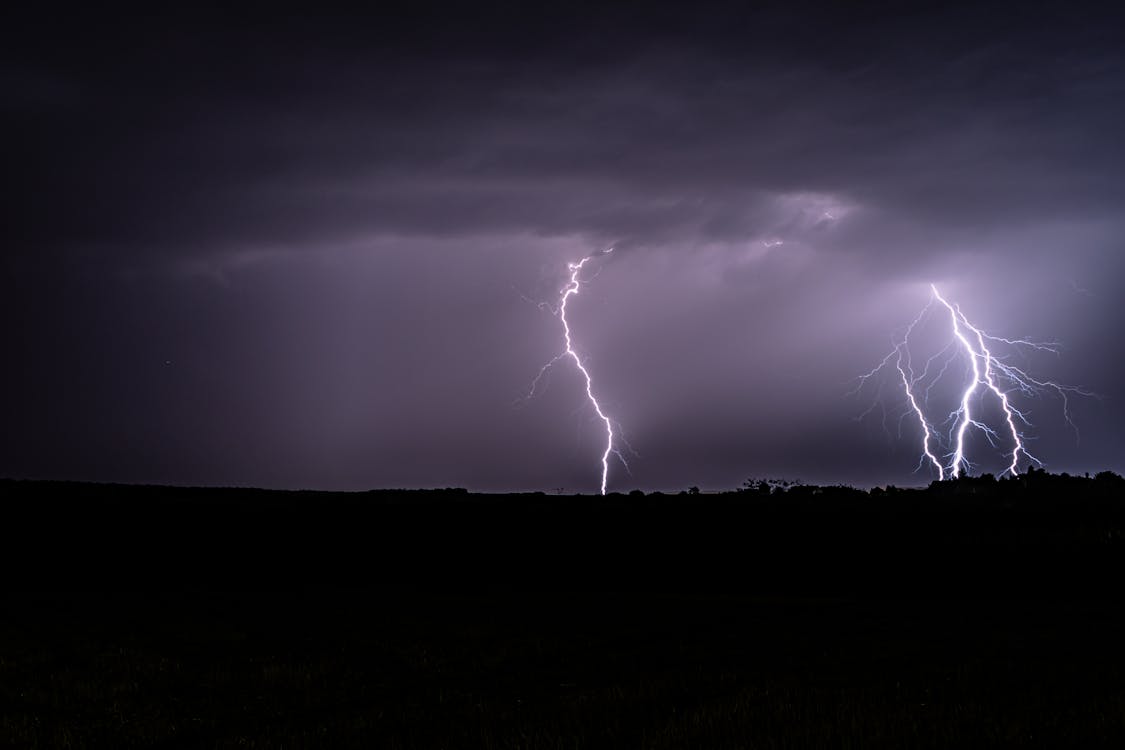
x=306 y=251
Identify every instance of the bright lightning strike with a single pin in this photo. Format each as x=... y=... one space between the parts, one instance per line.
x=571 y=289
x=987 y=375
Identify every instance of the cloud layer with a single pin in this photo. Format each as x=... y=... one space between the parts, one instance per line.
x=297 y=251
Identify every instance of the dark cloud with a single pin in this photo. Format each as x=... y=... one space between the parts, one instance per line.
x=291 y=250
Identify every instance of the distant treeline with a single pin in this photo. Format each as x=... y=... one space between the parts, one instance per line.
x=1031 y=483
x=1036 y=534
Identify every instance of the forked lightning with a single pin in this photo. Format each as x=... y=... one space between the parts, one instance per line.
x=988 y=375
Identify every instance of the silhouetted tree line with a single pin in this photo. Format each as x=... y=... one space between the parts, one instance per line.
x=1029 y=533
x=1033 y=482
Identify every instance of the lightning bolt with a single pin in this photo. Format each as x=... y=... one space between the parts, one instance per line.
x=981 y=377
x=908 y=386
x=987 y=374
x=901 y=357
x=570 y=290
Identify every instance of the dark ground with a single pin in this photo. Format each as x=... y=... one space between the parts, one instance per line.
x=974 y=613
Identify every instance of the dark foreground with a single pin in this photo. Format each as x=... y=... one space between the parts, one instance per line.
x=980 y=613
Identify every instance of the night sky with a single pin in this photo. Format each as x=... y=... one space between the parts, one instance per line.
x=279 y=250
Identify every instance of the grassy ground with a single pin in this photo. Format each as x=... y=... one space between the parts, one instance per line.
x=972 y=613
x=358 y=669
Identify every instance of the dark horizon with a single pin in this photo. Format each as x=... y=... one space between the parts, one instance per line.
x=310 y=251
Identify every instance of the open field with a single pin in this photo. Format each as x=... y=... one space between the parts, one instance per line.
x=157 y=617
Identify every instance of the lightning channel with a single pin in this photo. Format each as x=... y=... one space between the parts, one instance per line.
x=986 y=374
x=572 y=288
x=900 y=355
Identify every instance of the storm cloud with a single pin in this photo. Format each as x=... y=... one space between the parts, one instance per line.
x=306 y=251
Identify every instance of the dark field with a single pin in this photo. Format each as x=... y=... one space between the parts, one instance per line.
x=974 y=613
